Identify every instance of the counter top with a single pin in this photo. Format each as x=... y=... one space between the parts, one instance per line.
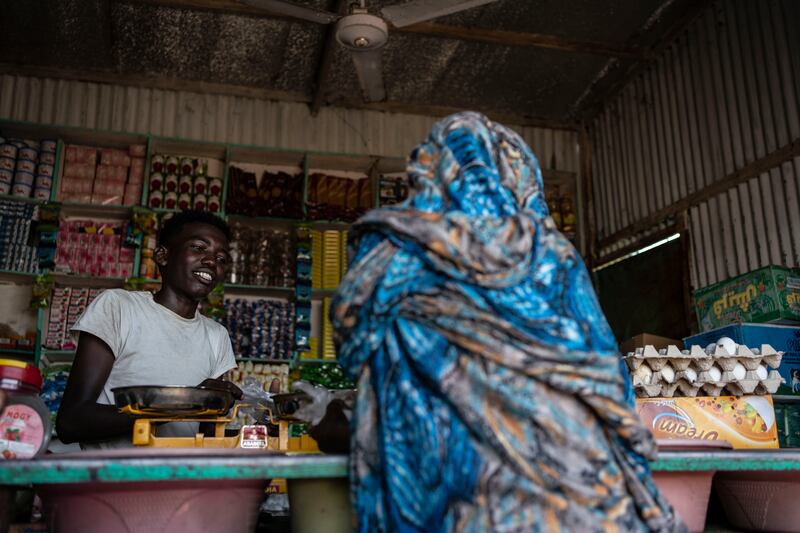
x=179 y=465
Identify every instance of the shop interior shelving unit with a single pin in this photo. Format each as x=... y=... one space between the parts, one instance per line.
x=221 y=156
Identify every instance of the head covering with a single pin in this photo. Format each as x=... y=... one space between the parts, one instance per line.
x=490 y=394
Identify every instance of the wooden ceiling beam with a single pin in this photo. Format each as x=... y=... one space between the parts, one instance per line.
x=513 y=38
x=432 y=29
x=329 y=44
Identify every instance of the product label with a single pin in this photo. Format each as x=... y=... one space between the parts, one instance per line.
x=21 y=432
x=253 y=437
x=744 y=422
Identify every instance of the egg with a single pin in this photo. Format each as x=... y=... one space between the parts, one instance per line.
x=761 y=372
x=710 y=348
x=644 y=374
x=690 y=375
x=739 y=371
x=715 y=373
x=668 y=374
x=727 y=344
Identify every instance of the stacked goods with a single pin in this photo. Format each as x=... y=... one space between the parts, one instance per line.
x=66 y=307
x=26 y=168
x=769 y=294
x=328 y=258
x=278 y=195
x=669 y=382
x=335 y=198
x=262 y=329
x=15 y=231
x=55 y=383
x=262 y=372
x=785 y=339
x=725 y=366
x=328 y=347
x=263 y=257
x=560 y=203
x=116 y=179
x=93 y=248
x=393 y=190
x=182 y=183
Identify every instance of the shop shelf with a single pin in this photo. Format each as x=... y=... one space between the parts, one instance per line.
x=20 y=199
x=16 y=275
x=87 y=280
x=281 y=292
x=261 y=360
x=57 y=356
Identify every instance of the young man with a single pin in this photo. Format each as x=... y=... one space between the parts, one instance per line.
x=136 y=338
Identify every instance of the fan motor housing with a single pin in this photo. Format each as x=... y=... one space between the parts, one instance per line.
x=362 y=32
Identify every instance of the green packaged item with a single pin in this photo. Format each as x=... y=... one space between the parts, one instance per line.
x=767 y=295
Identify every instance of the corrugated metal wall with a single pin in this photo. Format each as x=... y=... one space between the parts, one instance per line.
x=726 y=93
x=239 y=120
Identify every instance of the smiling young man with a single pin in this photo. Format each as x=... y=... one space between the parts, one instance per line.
x=137 y=338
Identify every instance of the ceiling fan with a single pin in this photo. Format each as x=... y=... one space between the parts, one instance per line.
x=363 y=34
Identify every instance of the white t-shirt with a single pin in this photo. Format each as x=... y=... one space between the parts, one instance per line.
x=154 y=346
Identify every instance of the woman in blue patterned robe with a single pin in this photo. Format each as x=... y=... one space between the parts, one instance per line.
x=490 y=392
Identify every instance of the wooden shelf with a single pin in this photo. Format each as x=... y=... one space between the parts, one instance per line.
x=17 y=276
x=281 y=292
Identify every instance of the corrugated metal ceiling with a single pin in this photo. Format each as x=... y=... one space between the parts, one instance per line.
x=118 y=37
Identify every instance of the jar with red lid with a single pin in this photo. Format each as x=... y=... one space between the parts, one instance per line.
x=25 y=426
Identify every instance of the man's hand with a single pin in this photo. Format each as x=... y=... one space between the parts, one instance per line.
x=221 y=384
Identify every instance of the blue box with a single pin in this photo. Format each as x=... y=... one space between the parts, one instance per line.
x=782 y=338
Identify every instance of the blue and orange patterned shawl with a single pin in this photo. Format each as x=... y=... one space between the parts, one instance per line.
x=490 y=395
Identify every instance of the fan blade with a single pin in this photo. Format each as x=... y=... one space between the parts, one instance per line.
x=422 y=10
x=288 y=9
x=370 y=73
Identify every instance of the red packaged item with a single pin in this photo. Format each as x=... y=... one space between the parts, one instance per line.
x=137 y=151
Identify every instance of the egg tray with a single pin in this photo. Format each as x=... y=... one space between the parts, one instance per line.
x=674 y=372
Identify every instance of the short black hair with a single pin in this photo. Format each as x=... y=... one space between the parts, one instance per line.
x=176 y=222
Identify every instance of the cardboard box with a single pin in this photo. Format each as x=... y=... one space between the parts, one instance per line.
x=770 y=294
x=643 y=339
x=784 y=339
x=745 y=422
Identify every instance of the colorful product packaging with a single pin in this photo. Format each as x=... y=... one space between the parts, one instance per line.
x=744 y=422
x=770 y=294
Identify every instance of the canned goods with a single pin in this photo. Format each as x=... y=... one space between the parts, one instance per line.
x=47 y=158
x=200 y=185
x=187 y=166
x=6 y=176
x=214 y=186
x=23 y=178
x=45 y=170
x=5 y=188
x=19 y=189
x=171 y=183
x=171 y=165
x=156 y=199
x=200 y=202
x=184 y=201
x=26 y=165
x=43 y=182
x=156 y=180
x=171 y=200
x=213 y=203
x=8 y=163
x=185 y=185
x=8 y=150
x=48 y=145
x=41 y=193
x=19 y=143
x=157 y=163
x=28 y=153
